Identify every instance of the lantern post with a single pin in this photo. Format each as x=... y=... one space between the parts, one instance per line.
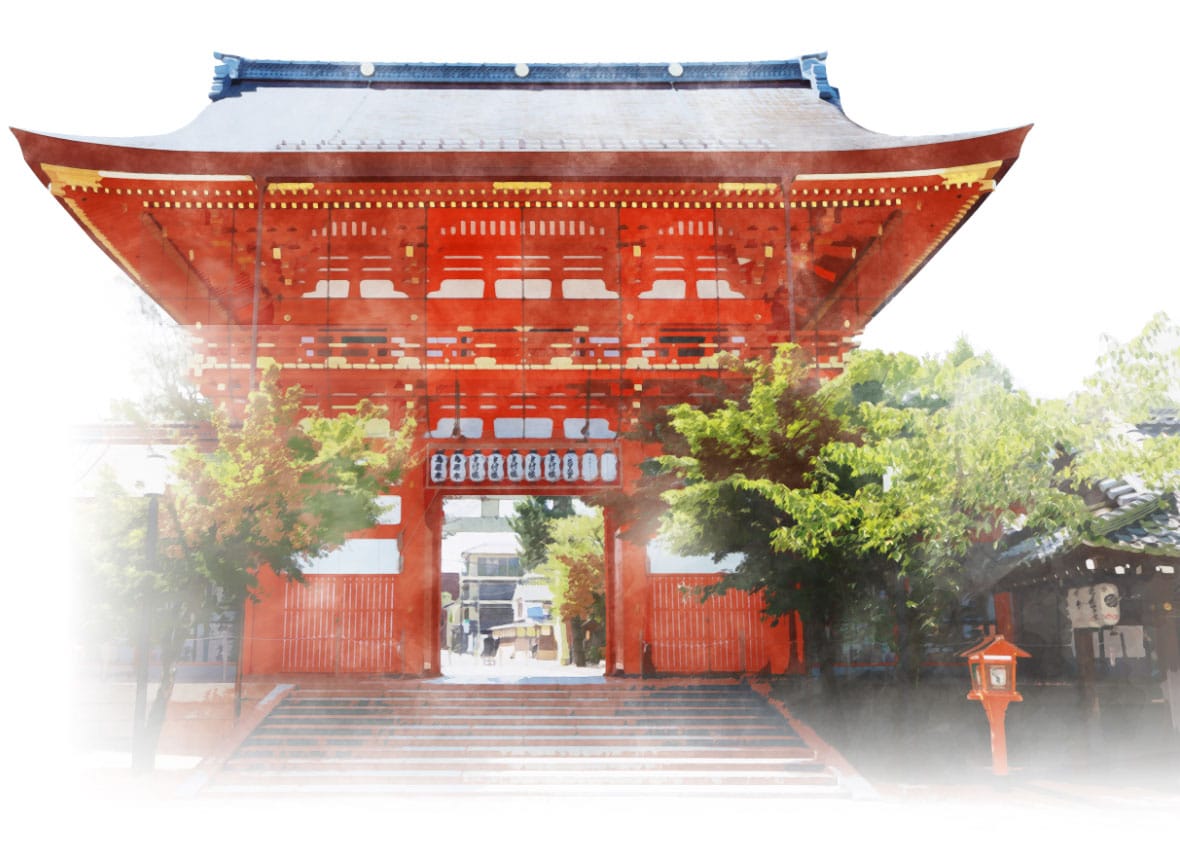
x=992 y=664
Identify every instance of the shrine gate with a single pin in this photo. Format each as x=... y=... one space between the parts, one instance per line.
x=531 y=262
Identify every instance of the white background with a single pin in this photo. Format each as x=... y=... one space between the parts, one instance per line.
x=1079 y=239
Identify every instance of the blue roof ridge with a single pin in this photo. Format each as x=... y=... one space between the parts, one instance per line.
x=234 y=74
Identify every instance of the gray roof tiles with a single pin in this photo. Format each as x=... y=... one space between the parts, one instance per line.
x=301 y=115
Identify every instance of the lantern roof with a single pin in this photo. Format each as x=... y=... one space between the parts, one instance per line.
x=994 y=645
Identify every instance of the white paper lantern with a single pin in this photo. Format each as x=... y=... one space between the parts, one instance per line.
x=589 y=466
x=438 y=467
x=477 y=466
x=458 y=467
x=496 y=467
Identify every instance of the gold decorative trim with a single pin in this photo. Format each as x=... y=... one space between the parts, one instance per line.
x=747 y=187
x=520 y=186
x=973 y=173
x=61 y=177
x=290 y=187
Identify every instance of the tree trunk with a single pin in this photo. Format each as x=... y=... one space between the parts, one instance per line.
x=144 y=760
x=909 y=636
x=578 y=641
x=141 y=754
x=1083 y=643
x=824 y=639
x=239 y=638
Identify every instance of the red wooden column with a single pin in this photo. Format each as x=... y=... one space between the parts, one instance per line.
x=433 y=587
x=628 y=593
x=613 y=653
x=416 y=593
x=262 y=630
x=1005 y=614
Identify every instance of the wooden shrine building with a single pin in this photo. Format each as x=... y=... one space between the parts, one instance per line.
x=528 y=260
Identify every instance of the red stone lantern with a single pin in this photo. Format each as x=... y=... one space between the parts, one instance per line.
x=992 y=664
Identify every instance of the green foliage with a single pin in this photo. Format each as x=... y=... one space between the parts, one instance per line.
x=575 y=568
x=574 y=565
x=276 y=489
x=947 y=454
x=1131 y=381
x=768 y=437
x=868 y=491
x=532 y=526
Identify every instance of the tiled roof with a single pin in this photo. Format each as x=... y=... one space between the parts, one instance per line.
x=1125 y=517
x=1155 y=530
x=1162 y=422
x=772 y=106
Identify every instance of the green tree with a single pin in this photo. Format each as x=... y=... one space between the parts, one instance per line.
x=531 y=524
x=576 y=568
x=883 y=479
x=773 y=429
x=1131 y=382
x=280 y=487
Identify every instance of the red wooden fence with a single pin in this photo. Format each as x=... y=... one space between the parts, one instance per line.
x=339 y=624
x=725 y=633
x=345 y=624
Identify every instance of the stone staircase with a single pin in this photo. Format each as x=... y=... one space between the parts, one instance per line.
x=403 y=738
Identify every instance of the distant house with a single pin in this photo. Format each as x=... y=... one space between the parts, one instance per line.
x=532 y=631
x=532 y=600
x=491 y=572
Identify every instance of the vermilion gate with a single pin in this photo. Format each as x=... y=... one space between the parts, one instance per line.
x=522 y=259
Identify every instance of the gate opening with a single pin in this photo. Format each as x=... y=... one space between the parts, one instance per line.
x=502 y=618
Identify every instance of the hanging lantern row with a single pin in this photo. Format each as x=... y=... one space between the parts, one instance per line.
x=513 y=467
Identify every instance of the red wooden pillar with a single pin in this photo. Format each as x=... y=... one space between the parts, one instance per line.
x=613 y=652
x=262 y=630
x=416 y=595
x=1005 y=618
x=433 y=587
x=628 y=588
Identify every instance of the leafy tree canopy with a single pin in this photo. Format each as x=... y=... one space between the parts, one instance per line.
x=531 y=524
x=575 y=568
x=877 y=484
x=574 y=565
x=1132 y=382
x=284 y=485
x=280 y=488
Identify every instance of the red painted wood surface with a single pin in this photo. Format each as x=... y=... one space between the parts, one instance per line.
x=725 y=633
x=340 y=624
x=329 y=624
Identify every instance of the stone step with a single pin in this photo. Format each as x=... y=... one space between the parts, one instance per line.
x=554 y=749
x=601 y=744
x=646 y=777
x=492 y=762
x=497 y=724
x=272 y=789
x=382 y=738
x=525 y=705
